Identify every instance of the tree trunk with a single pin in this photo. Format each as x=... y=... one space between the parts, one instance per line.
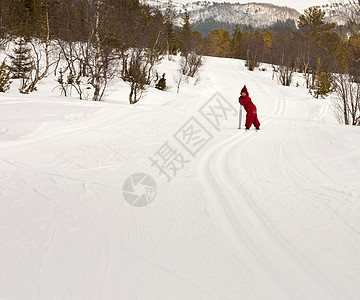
x=96 y=96
x=131 y=93
x=38 y=77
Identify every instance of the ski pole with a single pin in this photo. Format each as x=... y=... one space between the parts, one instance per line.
x=240 y=116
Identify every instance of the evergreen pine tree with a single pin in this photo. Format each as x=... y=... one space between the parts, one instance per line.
x=186 y=41
x=323 y=83
x=169 y=27
x=220 y=42
x=319 y=40
x=4 y=77
x=21 y=62
x=236 y=42
x=268 y=42
x=312 y=21
x=161 y=84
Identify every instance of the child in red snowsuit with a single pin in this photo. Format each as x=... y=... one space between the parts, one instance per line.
x=251 y=114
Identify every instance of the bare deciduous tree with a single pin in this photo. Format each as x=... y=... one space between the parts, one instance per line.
x=41 y=69
x=348 y=10
x=135 y=74
x=252 y=45
x=346 y=104
x=284 y=73
x=138 y=71
x=179 y=79
x=191 y=63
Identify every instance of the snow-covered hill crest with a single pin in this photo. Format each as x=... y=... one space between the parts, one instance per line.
x=255 y=14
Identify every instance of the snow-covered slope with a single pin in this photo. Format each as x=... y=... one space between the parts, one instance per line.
x=255 y=14
x=249 y=215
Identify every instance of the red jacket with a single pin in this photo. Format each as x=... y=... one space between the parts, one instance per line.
x=249 y=106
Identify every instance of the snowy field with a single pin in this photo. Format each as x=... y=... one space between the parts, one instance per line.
x=234 y=215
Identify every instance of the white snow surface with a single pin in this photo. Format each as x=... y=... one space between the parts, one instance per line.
x=272 y=214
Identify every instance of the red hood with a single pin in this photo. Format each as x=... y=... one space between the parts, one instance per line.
x=244 y=90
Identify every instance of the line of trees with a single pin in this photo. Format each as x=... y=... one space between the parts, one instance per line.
x=99 y=40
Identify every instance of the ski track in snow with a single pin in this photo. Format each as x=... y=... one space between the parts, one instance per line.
x=250 y=218
x=238 y=213
x=263 y=215
x=246 y=225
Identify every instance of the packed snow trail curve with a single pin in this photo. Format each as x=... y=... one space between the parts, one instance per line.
x=245 y=228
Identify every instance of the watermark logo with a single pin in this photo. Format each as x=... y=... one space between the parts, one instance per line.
x=217 y=110
x=168 y=160
x=193 y=136
x=139 y=190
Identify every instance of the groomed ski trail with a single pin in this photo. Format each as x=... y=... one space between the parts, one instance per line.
x=282 y=270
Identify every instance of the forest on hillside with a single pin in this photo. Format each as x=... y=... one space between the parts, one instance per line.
x=100 y=40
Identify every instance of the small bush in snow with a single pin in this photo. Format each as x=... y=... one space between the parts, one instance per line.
x=5 y=76
x=161 y=83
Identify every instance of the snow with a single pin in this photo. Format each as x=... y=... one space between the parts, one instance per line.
x=272 y=214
